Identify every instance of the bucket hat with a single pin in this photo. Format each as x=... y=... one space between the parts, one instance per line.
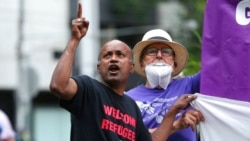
x=160 y=36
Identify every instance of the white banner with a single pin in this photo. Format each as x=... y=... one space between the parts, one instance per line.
x=225 y=119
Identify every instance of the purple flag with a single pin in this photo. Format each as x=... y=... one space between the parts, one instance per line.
x=225 y=60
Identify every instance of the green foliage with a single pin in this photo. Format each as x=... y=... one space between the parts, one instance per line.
x=194 y=48
x=139 y=7
x=195 y=9
x=135 y=8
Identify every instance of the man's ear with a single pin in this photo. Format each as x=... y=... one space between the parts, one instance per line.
x=175 y=64
x=132 y=68
x=142 y=65
x=98 y=67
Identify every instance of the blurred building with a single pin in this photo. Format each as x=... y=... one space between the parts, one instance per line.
x=33 y=35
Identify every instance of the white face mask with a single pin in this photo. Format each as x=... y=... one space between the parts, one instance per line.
x=159 y=74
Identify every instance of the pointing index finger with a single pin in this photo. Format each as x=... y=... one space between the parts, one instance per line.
x=79 y=13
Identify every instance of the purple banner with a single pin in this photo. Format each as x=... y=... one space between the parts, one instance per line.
x=226 y=49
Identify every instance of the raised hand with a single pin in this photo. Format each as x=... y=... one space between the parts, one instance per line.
x=79 y=25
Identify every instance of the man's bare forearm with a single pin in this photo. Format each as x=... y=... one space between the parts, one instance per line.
x=60 y=78
x=166 y=127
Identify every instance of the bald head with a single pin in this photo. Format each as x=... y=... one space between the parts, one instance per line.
x=116 y=44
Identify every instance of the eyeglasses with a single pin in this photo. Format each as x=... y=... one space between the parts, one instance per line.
x=165 y=51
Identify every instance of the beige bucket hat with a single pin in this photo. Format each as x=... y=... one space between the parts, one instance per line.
x=160 y=36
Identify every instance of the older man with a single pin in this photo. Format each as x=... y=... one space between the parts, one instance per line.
x=159 y=59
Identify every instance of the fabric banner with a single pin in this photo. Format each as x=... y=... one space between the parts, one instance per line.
x=225 y=119
x=225 y=58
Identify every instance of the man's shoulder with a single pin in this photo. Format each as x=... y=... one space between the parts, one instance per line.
x=85 y=78
x=188 y=77
x=135 y=89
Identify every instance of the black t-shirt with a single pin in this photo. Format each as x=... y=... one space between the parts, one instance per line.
x=99 y=114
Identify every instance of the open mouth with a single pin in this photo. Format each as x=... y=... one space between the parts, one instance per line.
x=113 y=69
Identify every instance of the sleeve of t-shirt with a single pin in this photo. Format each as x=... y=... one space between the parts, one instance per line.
x=84 y=87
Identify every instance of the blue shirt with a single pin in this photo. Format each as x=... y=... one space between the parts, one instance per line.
x=154 y=103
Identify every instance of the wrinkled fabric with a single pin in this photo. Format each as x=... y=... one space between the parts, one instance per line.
x=226 y=49
x=225 y=119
